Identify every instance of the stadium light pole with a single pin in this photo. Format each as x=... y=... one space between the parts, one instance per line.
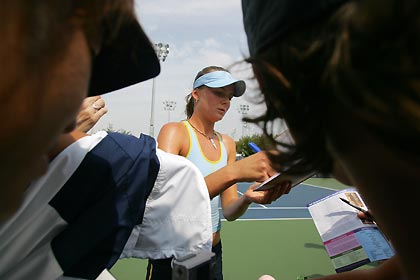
x=162 y=51
x=169 y=106
x=243 y=110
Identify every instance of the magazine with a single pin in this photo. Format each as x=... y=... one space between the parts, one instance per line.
x=350 y=242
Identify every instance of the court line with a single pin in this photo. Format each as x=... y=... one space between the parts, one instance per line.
x=268 y=219
x=262 y=205
x=317 y=186
x=279 y=208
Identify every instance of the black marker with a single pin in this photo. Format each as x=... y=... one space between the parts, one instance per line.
x=357 y=207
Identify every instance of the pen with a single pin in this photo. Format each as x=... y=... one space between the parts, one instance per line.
x=254 y=147
x=357 y=207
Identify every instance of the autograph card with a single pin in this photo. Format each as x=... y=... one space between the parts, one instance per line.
x=282 y=177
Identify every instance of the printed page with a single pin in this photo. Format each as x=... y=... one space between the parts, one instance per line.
x=333 y=217
x=349 y=241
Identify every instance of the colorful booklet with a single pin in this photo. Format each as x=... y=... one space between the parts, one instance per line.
x=349 y=241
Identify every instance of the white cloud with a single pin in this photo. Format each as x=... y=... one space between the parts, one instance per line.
x=199 y=34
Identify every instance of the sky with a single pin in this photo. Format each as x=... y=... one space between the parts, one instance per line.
x=199 y=34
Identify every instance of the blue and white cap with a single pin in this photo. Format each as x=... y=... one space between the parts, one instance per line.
x=218 y=79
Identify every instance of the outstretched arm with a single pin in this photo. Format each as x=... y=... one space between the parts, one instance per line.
x=92 y=109
x=90 y=112
x=254 y=168
x=257 y=167
x=172 y=138
x=250 y=169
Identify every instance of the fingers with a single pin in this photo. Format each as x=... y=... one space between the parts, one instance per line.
x=94 y=102
x=255 y=167
x=284 y=188
x=276 y=192
x=270 y=195
x=266 y=163
x=99 y=113
x=98 y=108
x=93 y=108
x=98 y=104
x=88 y=101
x=366 y=216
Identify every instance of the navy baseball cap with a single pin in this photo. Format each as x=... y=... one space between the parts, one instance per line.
x=267 y=20
x=126 y=59
x=218 y=79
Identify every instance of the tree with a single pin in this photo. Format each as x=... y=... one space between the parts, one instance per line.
x=262 y=141
x=110 y=128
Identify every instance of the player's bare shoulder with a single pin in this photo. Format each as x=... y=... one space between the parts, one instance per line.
x=227 y=140
x=171 y=136
x=172 y=129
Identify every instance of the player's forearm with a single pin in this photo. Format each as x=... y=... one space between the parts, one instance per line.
x=236 y=208
x=220 y=180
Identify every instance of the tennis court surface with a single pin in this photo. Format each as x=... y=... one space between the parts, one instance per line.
x=278 y=239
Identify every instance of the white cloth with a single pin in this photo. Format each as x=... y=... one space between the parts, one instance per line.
x=173 y=220
x=25 y=237
x=177 y=219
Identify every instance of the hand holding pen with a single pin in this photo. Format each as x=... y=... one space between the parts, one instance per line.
x=254 y=147
x=366 y=213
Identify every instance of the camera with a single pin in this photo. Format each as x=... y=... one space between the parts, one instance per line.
x=194 y=266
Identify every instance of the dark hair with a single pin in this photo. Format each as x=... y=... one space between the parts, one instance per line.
x=363 y=61
x=39 y=31
x=189 y=108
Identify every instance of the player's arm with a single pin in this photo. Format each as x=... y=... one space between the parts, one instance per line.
x=232 y=206
x=172 y=137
